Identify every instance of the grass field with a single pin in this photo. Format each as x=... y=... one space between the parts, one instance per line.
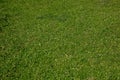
x=59 y=39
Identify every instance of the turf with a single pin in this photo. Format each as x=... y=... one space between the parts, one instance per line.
x=59 y=39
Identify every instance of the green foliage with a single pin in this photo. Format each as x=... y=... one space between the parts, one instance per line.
x=59 y=40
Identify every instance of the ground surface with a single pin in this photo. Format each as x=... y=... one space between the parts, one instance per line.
x=59 y=39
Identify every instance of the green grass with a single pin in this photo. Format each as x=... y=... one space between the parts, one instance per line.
x=59 y=39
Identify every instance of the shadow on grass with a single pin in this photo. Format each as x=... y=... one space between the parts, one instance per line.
x=4 y=21
x=4 y=17
x=60 y=18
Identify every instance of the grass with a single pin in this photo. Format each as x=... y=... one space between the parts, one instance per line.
x=59 y=39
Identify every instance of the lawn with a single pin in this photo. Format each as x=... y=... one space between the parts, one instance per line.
x=59 y=39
